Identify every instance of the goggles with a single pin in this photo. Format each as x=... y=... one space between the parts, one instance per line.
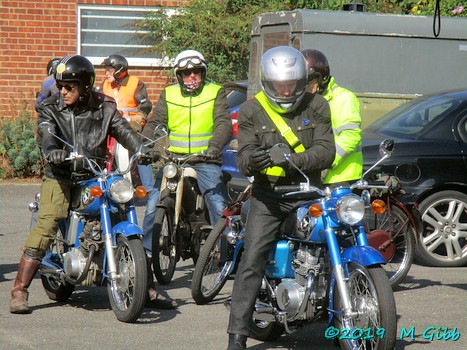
x=188 y=72
x=194 y=61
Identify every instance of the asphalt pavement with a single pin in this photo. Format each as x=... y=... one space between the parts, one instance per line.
x=431 y=307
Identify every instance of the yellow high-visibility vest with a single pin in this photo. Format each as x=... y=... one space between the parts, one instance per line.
x=190 y=119
x=345 y=116
x=285 y=131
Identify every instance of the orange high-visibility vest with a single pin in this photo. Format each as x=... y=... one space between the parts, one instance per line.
x=124 y=96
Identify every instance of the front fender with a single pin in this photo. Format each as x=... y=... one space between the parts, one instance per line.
x=363 y=255
x=127 y=229
x=166 y=202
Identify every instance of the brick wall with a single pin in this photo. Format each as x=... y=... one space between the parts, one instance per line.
x=34 y=31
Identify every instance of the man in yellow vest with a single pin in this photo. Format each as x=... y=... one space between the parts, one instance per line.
x=346 y=120
x=197 y=116
x=283 y=112
x=134 y=104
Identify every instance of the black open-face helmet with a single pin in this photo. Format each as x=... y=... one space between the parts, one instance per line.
x=120 y=64
x=318 y=68
x=52 y=65
x=76 y=69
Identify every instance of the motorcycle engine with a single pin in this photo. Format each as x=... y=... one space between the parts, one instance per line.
x=290 y=292
x=74 y=261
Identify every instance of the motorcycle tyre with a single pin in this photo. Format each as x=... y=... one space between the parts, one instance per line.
x=56 y=290
x=265 y=331
x=377 y=281
x=134 y=303
x=205 y=260
x=404 y=246
x=163 y=276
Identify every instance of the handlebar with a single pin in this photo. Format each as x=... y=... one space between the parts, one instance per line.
x=302 y=188
x=93 y=166
x=180 y=159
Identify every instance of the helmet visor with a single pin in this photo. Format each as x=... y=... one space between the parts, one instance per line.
x=284 y=91
x=189 y=62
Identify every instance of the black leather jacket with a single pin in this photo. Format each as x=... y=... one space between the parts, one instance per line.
x=85 y=126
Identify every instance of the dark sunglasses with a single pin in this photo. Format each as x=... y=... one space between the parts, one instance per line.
x=189 y=71
x=67 y=87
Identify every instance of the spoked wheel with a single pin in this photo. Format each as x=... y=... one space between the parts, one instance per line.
x=164 y=250
x=372 y=299
x=210 y=274
x=393 y=235
x=265 y=330
x=127 y=293
x=55 y=289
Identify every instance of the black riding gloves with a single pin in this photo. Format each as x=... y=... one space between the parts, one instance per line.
x=57 y=156
x=260 y=159
x=149 y=157
x=213 y=153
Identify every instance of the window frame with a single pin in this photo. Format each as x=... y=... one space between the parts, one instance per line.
x=132 y=61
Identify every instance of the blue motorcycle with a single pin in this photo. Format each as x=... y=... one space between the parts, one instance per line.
x=100 y=242
x=322 y=267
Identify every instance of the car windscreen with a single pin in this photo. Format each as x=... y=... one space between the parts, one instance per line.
x=413 y=119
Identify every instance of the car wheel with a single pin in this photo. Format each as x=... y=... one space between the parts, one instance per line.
x=443 y=240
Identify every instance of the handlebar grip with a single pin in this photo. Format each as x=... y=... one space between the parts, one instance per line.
x=287 y=188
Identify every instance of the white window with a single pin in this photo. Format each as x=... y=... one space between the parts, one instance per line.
x=106 y=30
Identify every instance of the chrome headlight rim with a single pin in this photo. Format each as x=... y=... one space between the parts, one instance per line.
x=350 y=209
x=121 y=190
x=170 y=171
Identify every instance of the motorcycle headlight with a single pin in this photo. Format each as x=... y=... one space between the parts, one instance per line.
x=170 y=171
x=350 y=209
x=121 y=190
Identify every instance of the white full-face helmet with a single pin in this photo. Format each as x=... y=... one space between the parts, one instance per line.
x=283 y=64
x=186 y=60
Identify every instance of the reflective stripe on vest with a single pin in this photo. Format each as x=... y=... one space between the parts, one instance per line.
x=285 y=131
x=190 y=119
x=124 y=96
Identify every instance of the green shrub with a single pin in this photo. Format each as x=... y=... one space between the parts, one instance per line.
x=19 y=155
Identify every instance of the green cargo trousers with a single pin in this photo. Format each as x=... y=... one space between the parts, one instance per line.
x=53 y=207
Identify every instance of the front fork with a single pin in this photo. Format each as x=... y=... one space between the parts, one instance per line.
x=109 y=241
x=339 y=274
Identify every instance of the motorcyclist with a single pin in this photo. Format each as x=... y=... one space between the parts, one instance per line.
x=48 y=86
x=82 y=118
x=133 y=103
x=283 y=112
x=197 y=115
x=346 y=120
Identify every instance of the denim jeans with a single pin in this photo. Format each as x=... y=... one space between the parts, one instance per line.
x=211 y=186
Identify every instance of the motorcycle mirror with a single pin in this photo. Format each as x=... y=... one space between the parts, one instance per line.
x=386 y=148
x=160 y=131
x=279 y=152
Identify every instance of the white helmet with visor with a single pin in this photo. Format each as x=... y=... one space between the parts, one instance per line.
x=190 y=60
